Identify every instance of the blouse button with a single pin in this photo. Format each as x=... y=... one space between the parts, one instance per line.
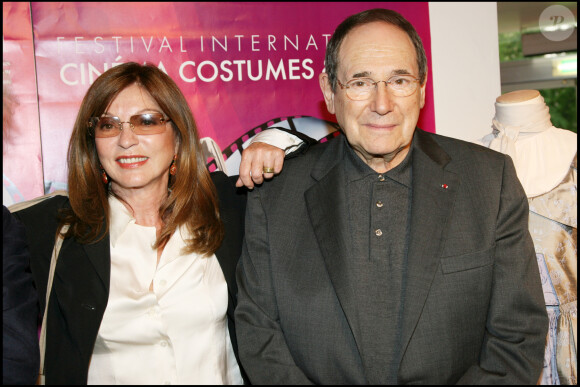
x=381 y=178
x=379 y=204
x=378 y=232
x=162 y=283
x=163 y=343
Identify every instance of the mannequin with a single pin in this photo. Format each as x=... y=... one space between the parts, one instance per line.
x=546 y=163
x=518 y=96
x=522 y=129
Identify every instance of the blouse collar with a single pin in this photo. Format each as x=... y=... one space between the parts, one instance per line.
x=120 y=218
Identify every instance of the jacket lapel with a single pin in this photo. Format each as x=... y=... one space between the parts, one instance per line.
x=82 y=297
x=99 y=255
x=434 y=191
x=326 y=204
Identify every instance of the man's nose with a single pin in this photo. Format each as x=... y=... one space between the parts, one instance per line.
x=382 y=99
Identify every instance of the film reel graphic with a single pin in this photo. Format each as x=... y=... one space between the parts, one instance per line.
x=228 y=159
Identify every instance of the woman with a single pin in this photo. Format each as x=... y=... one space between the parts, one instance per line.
x=144 y=290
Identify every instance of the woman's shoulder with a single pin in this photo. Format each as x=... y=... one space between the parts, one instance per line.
x=40 y=211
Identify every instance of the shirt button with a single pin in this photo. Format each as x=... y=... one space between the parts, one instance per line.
x=379 y=204
x=162 y=283
x=163 y=343
x=378 y=232
x=381 y=178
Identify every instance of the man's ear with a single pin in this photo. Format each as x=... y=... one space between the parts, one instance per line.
x=327 y=92
x=422 y=100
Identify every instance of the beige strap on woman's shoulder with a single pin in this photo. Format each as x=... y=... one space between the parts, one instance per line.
x=42 y=338
x=28 y=203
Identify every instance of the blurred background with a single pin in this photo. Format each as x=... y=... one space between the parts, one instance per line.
x=531 y=60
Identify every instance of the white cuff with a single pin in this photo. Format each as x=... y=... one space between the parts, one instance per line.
x=278 y=138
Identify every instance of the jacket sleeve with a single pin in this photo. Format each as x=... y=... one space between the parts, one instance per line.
x=20 y=354
x=263 y=350
x=517 y=322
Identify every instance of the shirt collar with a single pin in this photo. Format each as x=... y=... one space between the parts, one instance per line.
x=402 y=172
x=119 y=217
x=357 y=169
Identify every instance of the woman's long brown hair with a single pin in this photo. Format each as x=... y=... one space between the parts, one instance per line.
x=192 y=199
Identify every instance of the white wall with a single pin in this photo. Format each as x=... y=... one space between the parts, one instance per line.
x=466 y=71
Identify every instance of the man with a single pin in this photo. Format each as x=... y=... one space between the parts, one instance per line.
x=388 y=255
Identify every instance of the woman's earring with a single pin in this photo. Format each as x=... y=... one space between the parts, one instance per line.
x=104 y=175
x=173 y=167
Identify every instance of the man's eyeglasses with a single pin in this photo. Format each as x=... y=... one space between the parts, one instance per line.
x=359 y=89
x=149 y=123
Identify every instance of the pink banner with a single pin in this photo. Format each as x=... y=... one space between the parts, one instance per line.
x=21 y=151
x=241 y=66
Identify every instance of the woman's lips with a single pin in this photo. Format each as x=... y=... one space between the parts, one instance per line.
x=129 y=162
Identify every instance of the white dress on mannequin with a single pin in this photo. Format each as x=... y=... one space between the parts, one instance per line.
x=546 y=164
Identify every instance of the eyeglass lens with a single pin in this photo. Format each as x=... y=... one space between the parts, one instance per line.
x=144 y=124
x=360 y=89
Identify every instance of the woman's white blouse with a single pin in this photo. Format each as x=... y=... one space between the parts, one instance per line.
x=175 y=334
